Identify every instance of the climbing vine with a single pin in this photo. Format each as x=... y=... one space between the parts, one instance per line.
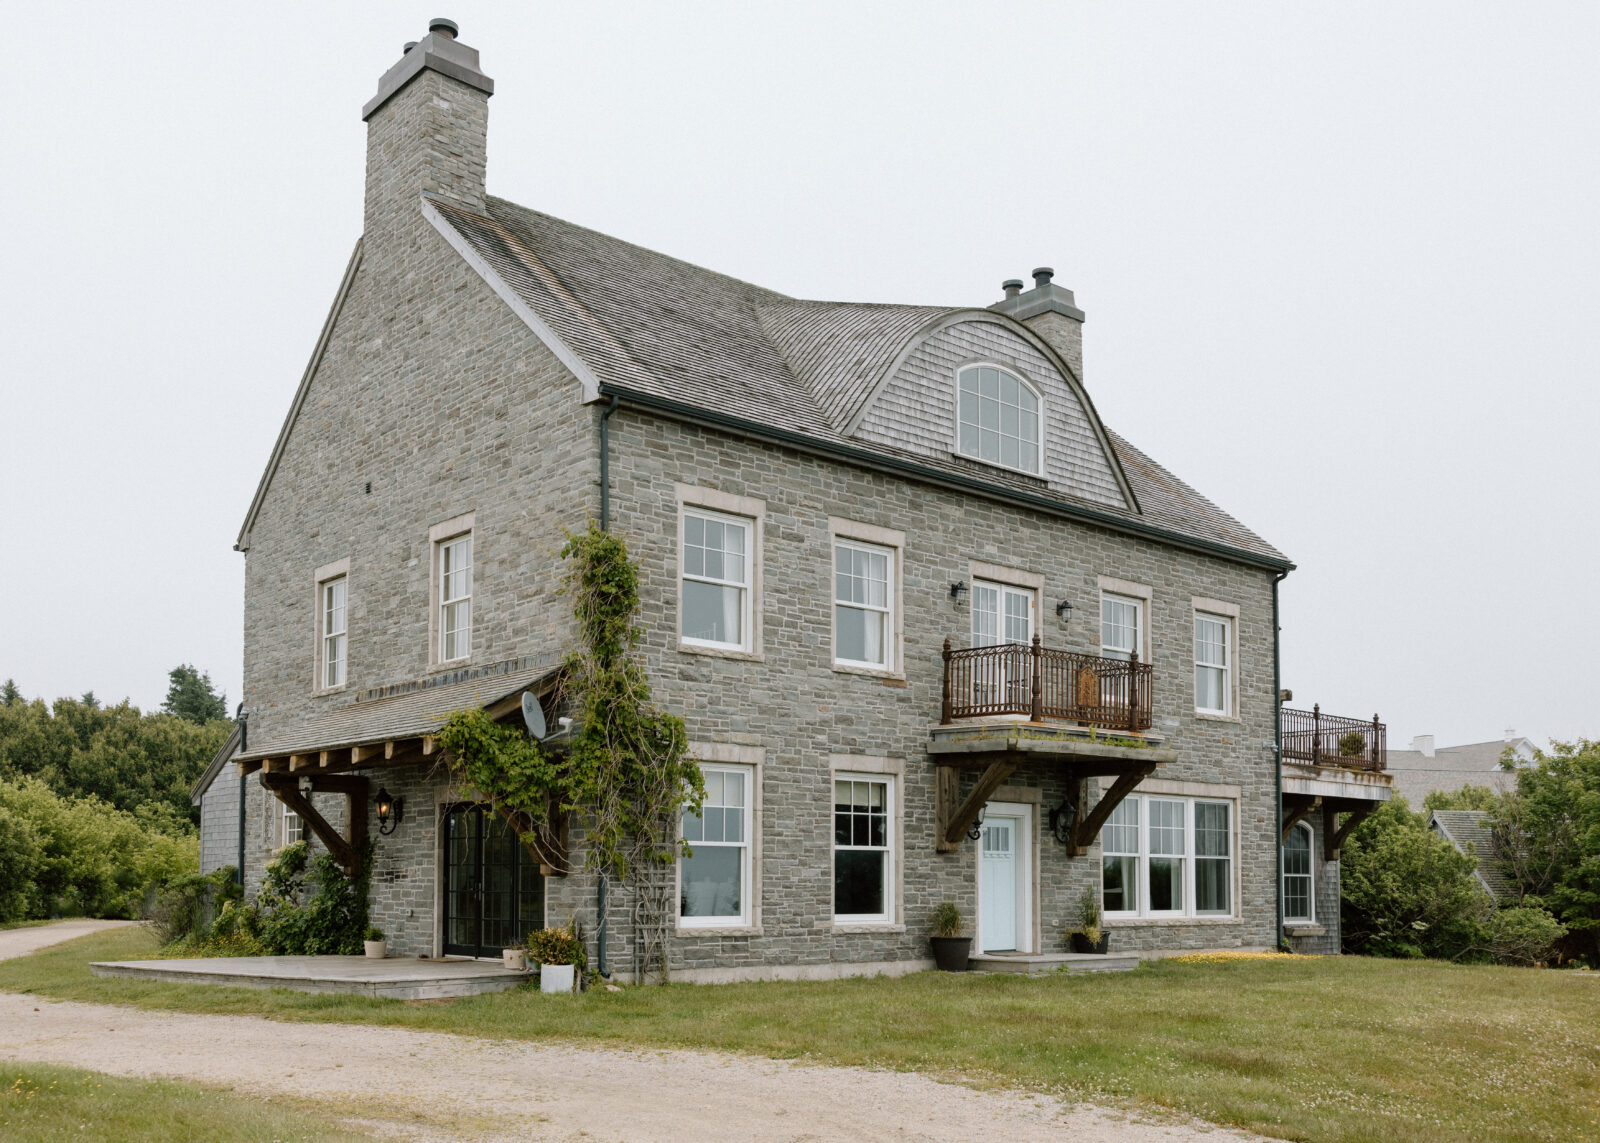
x=628 y=771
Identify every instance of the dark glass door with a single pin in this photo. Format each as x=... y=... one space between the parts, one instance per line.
x=494 y=895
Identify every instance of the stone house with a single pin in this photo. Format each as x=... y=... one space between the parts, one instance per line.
x=936 y=631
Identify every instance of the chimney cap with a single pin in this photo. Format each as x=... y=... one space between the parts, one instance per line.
x=1012 y=287
x=448 y=27
x=1042 y=276
x=409 y=44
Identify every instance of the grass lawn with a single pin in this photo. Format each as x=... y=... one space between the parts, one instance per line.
x=43 y=1104
x=1335 y=1050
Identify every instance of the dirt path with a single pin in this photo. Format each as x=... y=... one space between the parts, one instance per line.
x=437 y=1086
x=21 y=942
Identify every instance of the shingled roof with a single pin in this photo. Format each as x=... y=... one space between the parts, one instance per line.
x=1470 y=832
x=631 y=319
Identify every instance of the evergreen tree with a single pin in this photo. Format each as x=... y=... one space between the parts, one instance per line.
x=191 y=696
x=9 y=694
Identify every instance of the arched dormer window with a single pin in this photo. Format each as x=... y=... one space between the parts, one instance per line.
x=997 y=418
x=1298 y=906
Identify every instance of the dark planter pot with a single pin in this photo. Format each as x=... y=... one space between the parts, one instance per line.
x=1082 y=944
x=951 y=953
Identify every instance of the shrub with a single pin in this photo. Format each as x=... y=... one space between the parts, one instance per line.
x=19 y=862
x=1352 y=744
x=309 y=906
x=1089 y=916
x=186 y=907
x=946 y=920
x=560 y=945
x=1523 y=935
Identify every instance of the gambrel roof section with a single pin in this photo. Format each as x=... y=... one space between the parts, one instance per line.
x=630 y=321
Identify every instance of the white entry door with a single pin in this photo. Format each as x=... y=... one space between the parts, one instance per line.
x=1004 y=881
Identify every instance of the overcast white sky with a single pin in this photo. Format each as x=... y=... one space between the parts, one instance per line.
x=1339 y=261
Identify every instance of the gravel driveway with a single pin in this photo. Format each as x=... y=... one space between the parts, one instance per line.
x=436 y=1086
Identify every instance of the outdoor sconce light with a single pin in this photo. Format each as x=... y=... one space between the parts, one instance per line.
x=1062 y=819
x=975 y=831
x=389 y=808
x=956 y=590
x=1064 y=609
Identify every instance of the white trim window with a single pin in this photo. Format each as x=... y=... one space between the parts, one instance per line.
x=1001 y=614
x=863 y=604
x=1213 y=669
x=1168 y=857
x=997 y=418
x=1299 y=905
x=291 y=827
x=333 y=598
x=714 y=880
x=715 y=609
x=863 y=848
x=455 y=598
x=1121 y=625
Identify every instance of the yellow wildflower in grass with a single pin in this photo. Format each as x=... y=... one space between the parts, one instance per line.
x=1224 y=956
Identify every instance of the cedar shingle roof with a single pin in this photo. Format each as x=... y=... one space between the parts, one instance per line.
x=652 y=324
x=1470 y=832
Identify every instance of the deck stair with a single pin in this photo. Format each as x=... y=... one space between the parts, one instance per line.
x=1036 y=963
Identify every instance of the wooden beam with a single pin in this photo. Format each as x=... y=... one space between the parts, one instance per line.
x=360 y=754
x=947 y=794
x=988 y=782
x=1086 y=829
x=245 y=769
x=1297 y=810
x=1333 y=834
x=287 y=790
x=272 y=765
x=429 y=744
x=299 y=762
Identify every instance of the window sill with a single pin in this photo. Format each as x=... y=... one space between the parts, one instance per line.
x=449 y=664
x=865 y=927
x=720 y=652
x=873 y=672
x=1006 y=468
x=1146 y=922
x=718 y=930
x=1210 y=716
x=322 y=692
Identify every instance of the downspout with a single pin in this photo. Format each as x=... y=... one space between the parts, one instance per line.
x=605 y=526
x=1277 y=766
x=244 y=736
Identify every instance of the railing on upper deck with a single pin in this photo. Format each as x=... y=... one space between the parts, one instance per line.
x=1329 y=740
x=1014 y=678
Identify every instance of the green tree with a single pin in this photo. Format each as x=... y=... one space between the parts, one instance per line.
x=1466 y=798
x=9 y=694
x=191 y=696
x=19 y=864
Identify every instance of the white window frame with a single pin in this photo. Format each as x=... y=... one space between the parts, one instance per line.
x=1140 y=623
x=1003 y=590
x=1036 y=391
x=289 y=820
x=439 y=537
x=887 y=541
x=1227 y=614
x=335 y=613
x=751 y=514
x=321 y=578
x=1189 y=910
x=1310 y=875
x=892 y=772
x=744 y=918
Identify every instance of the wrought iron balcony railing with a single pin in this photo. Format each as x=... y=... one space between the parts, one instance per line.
x=1042 y=683
x=1329 y=740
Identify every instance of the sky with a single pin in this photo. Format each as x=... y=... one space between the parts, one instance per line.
x=1339 y=264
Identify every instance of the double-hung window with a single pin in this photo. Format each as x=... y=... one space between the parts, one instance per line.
x=716 y=580
x=1121 y=625
x=455 y=598
x=1213 y=688
x=714 y=881
x=1168 y=857
x=997 y=418
x=290 y=827
x=1298 y=905
x=332 y=610
x=863 y=858
x=863 y=613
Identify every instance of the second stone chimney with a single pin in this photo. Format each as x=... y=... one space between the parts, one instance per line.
x=427 y=129
x=1423 y=745
x=1050 y=311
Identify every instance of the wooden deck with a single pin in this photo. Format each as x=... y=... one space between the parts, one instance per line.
x=399 y=978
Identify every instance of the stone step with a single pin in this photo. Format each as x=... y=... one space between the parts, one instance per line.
x=1052 y=962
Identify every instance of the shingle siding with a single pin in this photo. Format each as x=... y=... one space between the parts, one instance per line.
x=219 y=821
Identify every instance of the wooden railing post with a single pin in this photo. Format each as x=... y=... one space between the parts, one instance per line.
x=1036 y=713
x=944 y=715
x=1316 y=734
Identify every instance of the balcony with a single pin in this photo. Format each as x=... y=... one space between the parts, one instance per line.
x=1329 y=740
x=1042 y=683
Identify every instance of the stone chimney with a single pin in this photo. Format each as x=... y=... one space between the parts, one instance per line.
x=427 y=129
x=1423 y=744
x=1050 y=311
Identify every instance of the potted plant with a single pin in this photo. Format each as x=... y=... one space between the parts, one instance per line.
x=376 y=944
x=516 y=959
x=1352 y=744
x=560 y=956
x=1089 y=936
x=951 y=950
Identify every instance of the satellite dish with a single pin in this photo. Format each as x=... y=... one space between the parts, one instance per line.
x=533 y=715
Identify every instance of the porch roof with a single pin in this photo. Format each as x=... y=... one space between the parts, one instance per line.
x=416 y=712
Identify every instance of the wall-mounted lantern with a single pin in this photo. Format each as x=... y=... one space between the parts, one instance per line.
x=1064 y=610
x=390 y=811
x=975 y=831
x=957 y=590
x=1062 y=819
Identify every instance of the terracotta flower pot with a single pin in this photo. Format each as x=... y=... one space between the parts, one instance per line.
x=951 y=953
